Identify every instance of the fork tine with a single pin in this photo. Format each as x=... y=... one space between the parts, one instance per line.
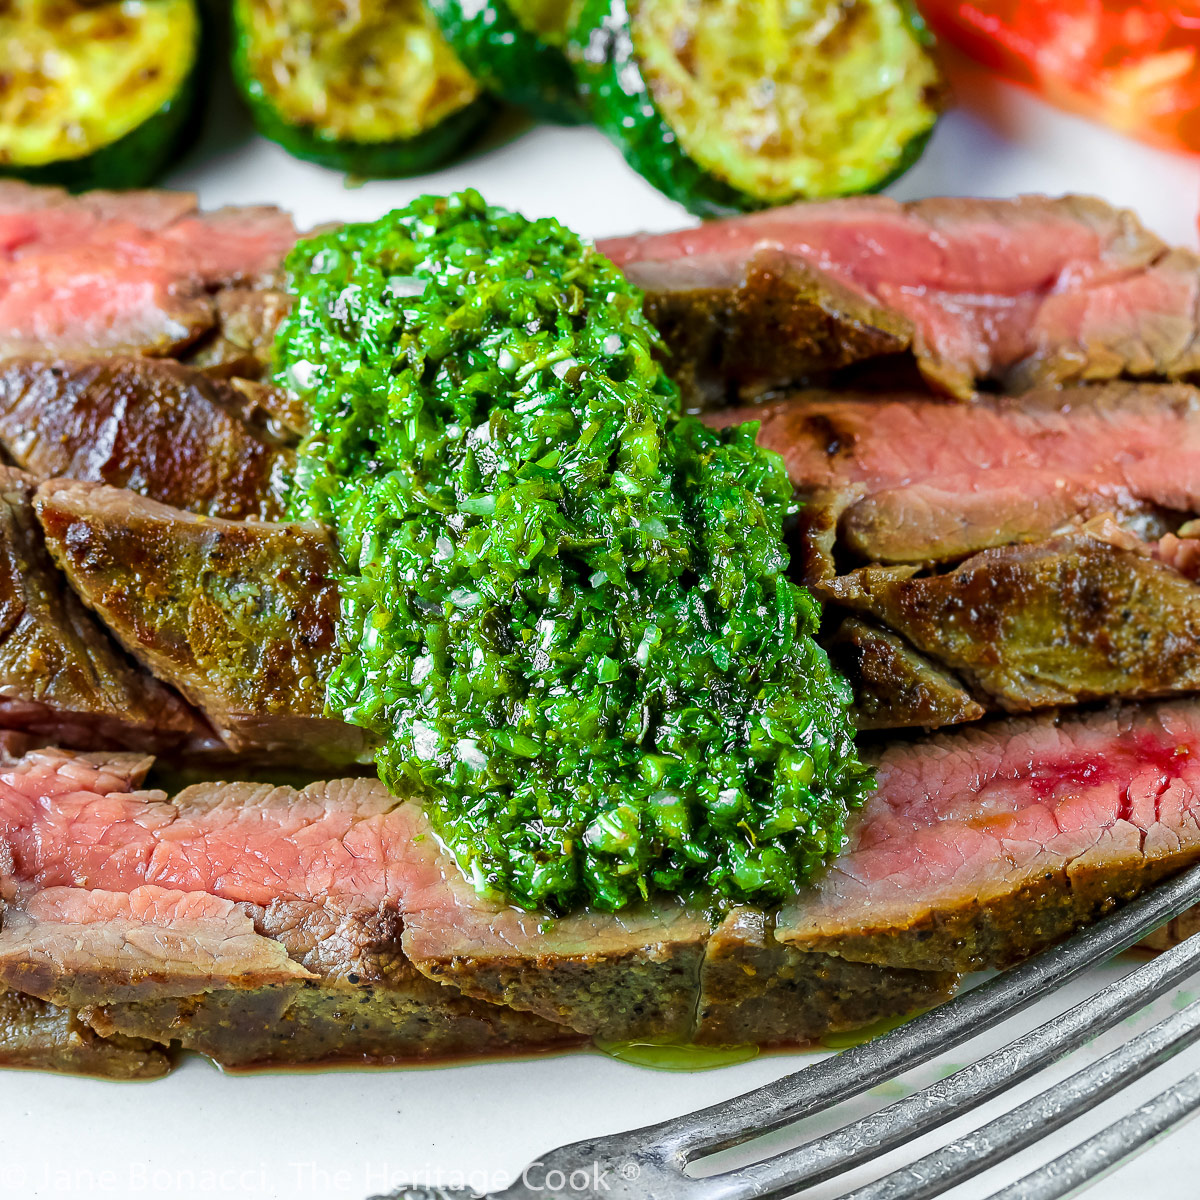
x=657 y=1154
x=852 y=1072
x=1026 y=1124
x=947 y=1099
x=1109 y=1148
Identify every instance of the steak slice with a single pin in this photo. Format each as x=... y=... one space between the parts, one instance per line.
x=241 y=342
x=364 y=1002
x=984 y=845
x=914 y=480
x=894 y=686
x=754 y=988
x=1023 y=292
x=152 y=425
x=40 y=1036
x=1071 y=619
x=61 y=676
x=735 y=327
x=240 y=616
x=108 y=273
x=288 y=981
x=234 y=981
x=353 y=884
x=1054 y=505
x=72 y=946
x=163 y=967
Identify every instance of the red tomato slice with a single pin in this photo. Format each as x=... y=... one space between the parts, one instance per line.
x=1133 y=66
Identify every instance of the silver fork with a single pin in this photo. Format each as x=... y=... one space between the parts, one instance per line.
x=650 y=1163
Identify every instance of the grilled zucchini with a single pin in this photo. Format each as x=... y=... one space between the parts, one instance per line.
x=515 y=48
x=370 y=88
x=95 y=94
x=734 y=105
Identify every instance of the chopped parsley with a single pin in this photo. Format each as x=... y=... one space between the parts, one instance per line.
x=565 y=608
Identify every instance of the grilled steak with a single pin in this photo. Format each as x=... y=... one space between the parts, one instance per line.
x=736 y=325
x=1023 y=291
x=242 y=918
x=61 y=676
x=984 y=845
x=164 y=430
x=1010 y=554
x=123 y=273
x=894 y=686
x=1073 y=618
x=914 y=480
x=239 y=616
x=289 y=981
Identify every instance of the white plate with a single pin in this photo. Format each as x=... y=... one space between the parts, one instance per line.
x=342 y=1135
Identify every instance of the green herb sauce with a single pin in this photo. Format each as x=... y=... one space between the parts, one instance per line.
x=565 y=609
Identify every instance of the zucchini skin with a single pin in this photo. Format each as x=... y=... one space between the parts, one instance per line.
x=509 y=60
x=143 y=154
x=621 y=105
x=368 y=160
x=611 y=82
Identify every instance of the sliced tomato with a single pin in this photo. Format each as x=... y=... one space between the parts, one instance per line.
x=1133 y=66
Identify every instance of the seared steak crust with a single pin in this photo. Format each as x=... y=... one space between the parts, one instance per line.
x=754 y=988
x=247 y=319
x=894 y=686
x=37 y=1035
x=733 y=330
x=154 y=426
x=62 y=678
x=1023 y=292
x=1072 y=619
x=239 y=616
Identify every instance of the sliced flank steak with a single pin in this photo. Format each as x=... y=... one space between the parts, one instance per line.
x=62 y=677
x=248 y=899
x=1088 y=615
x=1018 y=292
x=35 y=1035
x=122 y=273
x=736 y=326
x=914 y=480
x=660 y=971
x=1011 y=554
x=983 y=845
x=284 y=979
x=238 y=917
x=1021 y=292
x=240 y=616
x=154 y=426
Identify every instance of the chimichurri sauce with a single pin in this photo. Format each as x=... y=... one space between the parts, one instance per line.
x=565 y=608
